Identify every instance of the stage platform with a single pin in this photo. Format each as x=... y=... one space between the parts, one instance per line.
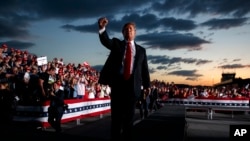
x=167 y=123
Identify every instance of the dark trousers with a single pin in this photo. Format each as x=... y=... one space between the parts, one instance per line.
x=6 y=117
x=143 y=108
x=153 y=105
x=55 y=117
x=123 y=105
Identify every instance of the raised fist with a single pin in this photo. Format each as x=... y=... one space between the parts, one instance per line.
x=102 y=22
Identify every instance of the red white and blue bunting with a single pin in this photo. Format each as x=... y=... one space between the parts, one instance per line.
x=81 y=109
x=77 y=109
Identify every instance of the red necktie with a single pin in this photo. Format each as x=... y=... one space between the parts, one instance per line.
x=127 y=61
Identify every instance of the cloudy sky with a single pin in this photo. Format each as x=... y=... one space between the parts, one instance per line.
x=187 y=41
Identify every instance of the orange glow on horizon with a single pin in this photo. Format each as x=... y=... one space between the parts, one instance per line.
x=206 y=80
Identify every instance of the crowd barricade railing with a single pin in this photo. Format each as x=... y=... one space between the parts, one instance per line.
x=77 y=109
x=211 y=104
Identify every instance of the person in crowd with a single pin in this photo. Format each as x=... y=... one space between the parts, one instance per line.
x=5 y=50
x=73 y=85
x=80 y=90
x=172 y=90
x=144 y=104
x=91 y=91
x=46 y=79
x=5 y=63
x=34 y=85
x=98 y=90
x=204 y=93
x=63 y=77
x=25 y=89
x=8 y=103
x=153 y=98
x=106 y=90
x=11 y=61
x=56 y=107
x=15 y=78
x=81 y=86
x=12 y=77
x=125 y=71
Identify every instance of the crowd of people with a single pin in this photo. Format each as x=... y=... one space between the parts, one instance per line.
x=24 y=82
x=172 y=90
x=31 y=82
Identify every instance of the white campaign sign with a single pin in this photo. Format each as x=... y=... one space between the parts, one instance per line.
x=42 y=61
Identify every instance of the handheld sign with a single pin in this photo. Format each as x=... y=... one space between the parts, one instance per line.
x=42 y=61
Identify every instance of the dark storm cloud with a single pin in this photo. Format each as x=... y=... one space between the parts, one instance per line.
x=114 y=25
x=185 y=73
x=153 y=23
x=152 y=70
x=85 y=28
x=68 y=9
x=16 y=18
x=12 y=30
x=18 y=45
x=190 y=74
x=233 y=66
x=215 y=24
x=172 y=41
x=236 y=60
x=178 y=24
x=163 y=40
x=236 y=8
x=202 y=62
x=161 y=67
x=14 y=26
x=168 y=61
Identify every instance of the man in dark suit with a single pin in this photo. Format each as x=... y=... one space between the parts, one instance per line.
x=153 y=105
x=56 y=108
x=125 y=90
x=143 y=104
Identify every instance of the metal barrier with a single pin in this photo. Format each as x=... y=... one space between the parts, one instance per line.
x=210 y=105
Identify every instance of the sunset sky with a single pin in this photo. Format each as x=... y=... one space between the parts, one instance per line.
x=187 y=41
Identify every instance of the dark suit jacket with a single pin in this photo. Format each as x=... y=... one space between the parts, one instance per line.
x=58 y=99
x=113 y=65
